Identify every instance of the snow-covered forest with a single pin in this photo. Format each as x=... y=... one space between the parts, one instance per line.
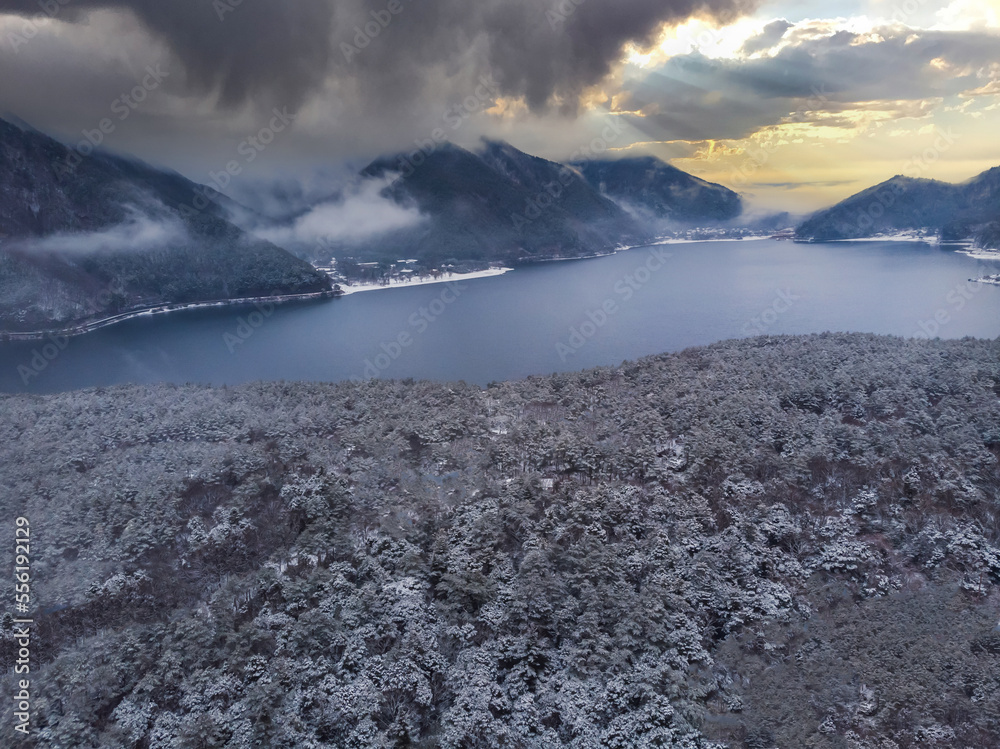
x=776 y=542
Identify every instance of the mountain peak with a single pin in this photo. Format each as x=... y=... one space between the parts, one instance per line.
x=498 y=203
x=904 y=203
x=654 y=189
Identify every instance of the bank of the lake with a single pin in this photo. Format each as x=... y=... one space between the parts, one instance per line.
x=90 y=326
x=402 y=283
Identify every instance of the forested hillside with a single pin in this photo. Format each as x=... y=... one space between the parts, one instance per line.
x=497 y=204
x=968 y=210
x=655 y=190
x=775 y=542
x=85 y=237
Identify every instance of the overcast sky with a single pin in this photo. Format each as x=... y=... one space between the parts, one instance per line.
x=795 y=104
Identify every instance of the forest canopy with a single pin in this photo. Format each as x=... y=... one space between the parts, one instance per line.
x=789 y=541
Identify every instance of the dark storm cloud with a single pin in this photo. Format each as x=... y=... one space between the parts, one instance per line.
x=543 y=51
x=767 y=38
x=239 y=49
x=695 y=97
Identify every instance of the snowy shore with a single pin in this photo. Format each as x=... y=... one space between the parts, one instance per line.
x=162 y=309
x=893 y=238
x=979 y=254
x=398 y=283
x=973 y=252
x=672 y=240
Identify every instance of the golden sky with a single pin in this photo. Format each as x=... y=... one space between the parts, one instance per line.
x=806 y=112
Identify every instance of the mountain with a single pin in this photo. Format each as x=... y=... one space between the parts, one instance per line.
x=85 y=236
x=951 y=211
x=653 y=189
x=981 y=220
x=498 y=203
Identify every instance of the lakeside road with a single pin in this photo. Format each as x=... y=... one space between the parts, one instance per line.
x=161 y=309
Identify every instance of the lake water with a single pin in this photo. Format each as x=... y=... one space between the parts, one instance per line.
x=542 y=319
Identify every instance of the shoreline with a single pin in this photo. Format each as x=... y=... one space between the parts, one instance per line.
x=969 y=251
x=72 y=331
x=891 y=238
x=80 y=329
x=655 y=243
x=399 y=284
x=659 y=242
x=160 y=309
x=980 y=254
x=966 y=245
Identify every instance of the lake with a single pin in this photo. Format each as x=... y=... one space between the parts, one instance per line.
x=541 y=319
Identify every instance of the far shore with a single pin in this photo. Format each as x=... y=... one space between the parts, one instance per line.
x=892 y=238
x=399 y=283
x=651 y=243
x=981 y=254
x=344 y=289
x=79 y=329
x=701 y=241
x=977 y=253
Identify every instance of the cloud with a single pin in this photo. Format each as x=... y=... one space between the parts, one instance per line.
x=768 y=38
x=544 y=52
x=358 y=95
x=359 y=88
x=360 y=214
x=250 y=49
x=896 y=72
x=968 y=14
x=138 y=233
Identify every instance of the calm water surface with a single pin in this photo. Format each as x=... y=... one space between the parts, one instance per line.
x=543 y=319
